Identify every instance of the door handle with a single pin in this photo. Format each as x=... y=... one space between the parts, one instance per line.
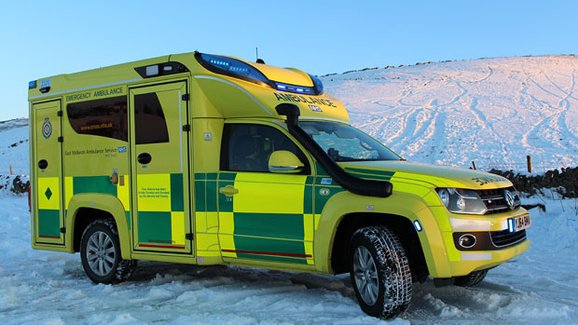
x=228 y=190
x=144 y=158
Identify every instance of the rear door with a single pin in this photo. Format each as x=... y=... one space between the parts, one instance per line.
x=160 y=165
x=47 y=164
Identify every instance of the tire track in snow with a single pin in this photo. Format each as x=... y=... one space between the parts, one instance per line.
x=406 y=93
x=551 y=127
x=426 y=124
x=557 y=121
x=567 y=93
x=436 y=139
x=505 y=109
x=424 y=132
x=566 y=133
x=398 y=142
x=489 y=74
x=542 y=87
x=567 y=106
x=530 y=102
x=458 y=97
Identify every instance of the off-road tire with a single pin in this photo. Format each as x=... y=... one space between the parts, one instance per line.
x=472 y=279
x=100 y=253
x=390 y=275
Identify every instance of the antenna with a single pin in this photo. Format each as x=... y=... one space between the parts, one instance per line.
x=257 y=56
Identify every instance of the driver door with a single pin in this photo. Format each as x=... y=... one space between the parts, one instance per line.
x=263 y=216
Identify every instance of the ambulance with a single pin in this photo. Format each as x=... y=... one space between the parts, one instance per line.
x=208 y=159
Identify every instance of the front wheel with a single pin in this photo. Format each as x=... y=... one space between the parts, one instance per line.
x=380 y=272
x=100 y=253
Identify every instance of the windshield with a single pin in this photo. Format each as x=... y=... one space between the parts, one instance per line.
x=346 y=143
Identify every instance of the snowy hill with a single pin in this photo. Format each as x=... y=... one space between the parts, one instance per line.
x=14 y=168
x=492 y=111
x=14 y=147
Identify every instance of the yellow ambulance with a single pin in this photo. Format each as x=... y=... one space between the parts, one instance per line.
x=209 y=159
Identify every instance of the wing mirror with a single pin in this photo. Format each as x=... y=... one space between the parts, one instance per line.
x=284 y=162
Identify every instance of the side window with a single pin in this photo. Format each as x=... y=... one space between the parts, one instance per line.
x=102 y=117
x=247 y=147
x=150 y=123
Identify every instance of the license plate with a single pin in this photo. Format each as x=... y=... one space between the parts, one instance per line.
x=519 y=223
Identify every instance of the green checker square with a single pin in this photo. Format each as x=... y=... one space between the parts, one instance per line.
x=154 y=227
x=177 y=196
x=48 y=223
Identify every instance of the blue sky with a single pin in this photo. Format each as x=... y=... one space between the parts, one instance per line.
x=43 y=38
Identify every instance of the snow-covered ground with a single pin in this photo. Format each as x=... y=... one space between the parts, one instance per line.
x=448 y=113
x=492 y=111
x=40 y=287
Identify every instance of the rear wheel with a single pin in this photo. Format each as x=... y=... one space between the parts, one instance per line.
x=472 y=279
x=100 y=253
x=380 y=272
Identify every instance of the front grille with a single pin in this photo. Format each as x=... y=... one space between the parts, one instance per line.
x=506 y=238
x=495 y=200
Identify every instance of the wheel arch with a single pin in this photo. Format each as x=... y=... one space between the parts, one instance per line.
x=85 y=208
x=401 y=226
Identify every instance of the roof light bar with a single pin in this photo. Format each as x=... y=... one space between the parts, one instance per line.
x=241 y=70
x=295 y=89
x=232 y=68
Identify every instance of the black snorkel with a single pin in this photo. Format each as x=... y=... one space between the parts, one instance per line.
x=349 y=182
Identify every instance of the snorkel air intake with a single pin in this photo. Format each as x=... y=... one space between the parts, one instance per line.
x=351 y=183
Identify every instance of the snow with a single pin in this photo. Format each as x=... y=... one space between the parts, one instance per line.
x=541 y=286
x=14 y=147
x=492 y=111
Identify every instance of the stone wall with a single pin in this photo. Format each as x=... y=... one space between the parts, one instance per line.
x=564 y=181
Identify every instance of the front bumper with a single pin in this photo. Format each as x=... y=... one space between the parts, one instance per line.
x=480 y=260
x=451 y=261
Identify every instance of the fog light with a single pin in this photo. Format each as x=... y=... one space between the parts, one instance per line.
x=467 y=241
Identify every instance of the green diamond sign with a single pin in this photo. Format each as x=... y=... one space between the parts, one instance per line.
x=48 y=193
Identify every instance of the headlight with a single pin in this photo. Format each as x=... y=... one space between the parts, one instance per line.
x=463 y=201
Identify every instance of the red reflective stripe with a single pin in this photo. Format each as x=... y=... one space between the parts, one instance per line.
x=265 y=253
x=161 y=246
